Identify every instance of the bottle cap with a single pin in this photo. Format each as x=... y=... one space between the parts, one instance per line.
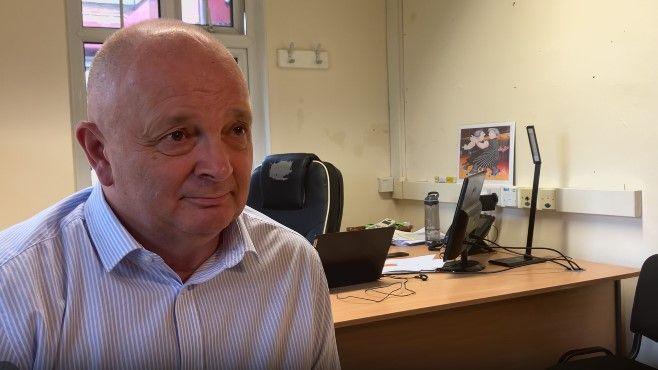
x=432 y=198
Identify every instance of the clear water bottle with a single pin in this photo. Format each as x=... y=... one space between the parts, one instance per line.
x=432 y=224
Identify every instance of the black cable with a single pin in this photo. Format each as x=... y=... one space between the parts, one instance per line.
x=477 y=272
x=403 y=287
x=553 y=260
x=565 y=266
x=573 y=266
x=497 y=232
x=567 y=259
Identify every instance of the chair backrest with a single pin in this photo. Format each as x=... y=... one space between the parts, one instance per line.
x=644 y=317
x=299 y=191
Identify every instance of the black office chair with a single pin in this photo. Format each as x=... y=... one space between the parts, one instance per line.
x=644 y=322
x=300 y=191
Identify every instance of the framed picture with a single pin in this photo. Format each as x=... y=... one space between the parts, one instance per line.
x=487 y=147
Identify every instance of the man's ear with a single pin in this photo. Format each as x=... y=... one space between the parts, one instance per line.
x=92 y=142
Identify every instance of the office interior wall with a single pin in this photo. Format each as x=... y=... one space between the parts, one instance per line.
x=583 y=72
x=340 y=113
x=35 y=154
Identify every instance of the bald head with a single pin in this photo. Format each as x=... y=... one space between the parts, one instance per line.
x=130 y=53
x=169 y=134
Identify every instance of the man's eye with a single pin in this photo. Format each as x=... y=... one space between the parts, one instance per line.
x=177 y=142
x=239 y=130
x=177 y=135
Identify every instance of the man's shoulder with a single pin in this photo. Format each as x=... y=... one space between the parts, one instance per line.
x=282 y=248
x=257 y=221
x=42 y=228
x=260 y=227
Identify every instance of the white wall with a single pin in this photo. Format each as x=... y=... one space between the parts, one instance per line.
x=584 y=72
x=341 y=114
x=36 y=160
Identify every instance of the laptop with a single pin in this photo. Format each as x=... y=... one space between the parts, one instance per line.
x=354 y=257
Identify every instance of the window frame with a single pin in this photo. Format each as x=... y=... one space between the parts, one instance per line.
x=248 y=45
x=237 y=17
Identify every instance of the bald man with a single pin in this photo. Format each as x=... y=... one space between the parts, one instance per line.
x=161 y=265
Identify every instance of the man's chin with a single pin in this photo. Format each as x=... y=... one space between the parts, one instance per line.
x=207 y=222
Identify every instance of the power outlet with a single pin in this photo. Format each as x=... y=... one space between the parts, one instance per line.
x=507 y=197
x=546 y=199
x=524 y=196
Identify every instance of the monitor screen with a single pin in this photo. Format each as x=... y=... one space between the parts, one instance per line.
x=465 y=220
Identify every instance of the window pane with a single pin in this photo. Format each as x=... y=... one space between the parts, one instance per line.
x=221 y=12
x=90 y=51
x=191 y=11
x=101 y=13
x=135 y=11
x=106 y=14
x=195 y=12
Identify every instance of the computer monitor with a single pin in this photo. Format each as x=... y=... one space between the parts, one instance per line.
x=464 y=222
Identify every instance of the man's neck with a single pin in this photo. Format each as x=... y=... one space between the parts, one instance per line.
x=183 y=253
x=184 y=258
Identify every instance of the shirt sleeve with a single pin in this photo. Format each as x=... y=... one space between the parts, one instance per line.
x=7 y=353
x=325 y=342
x=8 y=330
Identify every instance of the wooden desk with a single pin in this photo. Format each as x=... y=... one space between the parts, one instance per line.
x=524 y=318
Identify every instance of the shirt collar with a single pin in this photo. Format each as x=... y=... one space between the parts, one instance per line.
x=113 y=242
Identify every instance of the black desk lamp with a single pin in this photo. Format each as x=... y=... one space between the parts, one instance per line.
x=528 y=258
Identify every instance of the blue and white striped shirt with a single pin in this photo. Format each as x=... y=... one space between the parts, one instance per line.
x=78 y=292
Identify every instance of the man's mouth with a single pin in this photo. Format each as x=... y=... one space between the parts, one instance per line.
x=208 y=200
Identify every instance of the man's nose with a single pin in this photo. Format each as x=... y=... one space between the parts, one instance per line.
x=213 y=160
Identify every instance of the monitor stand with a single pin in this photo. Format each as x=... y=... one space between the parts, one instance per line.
x=478 y=247
x=517 y=261
x=462 y=265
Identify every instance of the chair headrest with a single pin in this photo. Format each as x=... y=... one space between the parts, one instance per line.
x=282 y=178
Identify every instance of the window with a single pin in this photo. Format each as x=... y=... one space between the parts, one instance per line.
x=117 y=13
x=90 y=50
x=196 y=12
x=91 y=22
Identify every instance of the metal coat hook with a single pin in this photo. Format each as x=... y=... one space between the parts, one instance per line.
x=291 y=49
x=318 y=60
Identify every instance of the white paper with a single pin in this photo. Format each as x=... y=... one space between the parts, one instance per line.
x=404 y=238
x=411 y=264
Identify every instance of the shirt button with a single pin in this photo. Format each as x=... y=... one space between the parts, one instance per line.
x=190 y=287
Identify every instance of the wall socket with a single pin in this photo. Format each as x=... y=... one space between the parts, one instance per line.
x=524 y=196
x=507 y=197
x=545 y=198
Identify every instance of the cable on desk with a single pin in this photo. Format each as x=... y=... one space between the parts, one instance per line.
x=477 y=272
x=402 y=287
x=497 y=232
x=574 y=266
x=553 y=260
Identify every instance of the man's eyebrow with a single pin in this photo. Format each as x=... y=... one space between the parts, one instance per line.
x=163 y=123
x=241 y=114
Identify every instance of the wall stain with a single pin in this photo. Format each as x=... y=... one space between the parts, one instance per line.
x=300 y=119
x=300 y=115
x=358 y=151
x=376 y=135
x=337 y=138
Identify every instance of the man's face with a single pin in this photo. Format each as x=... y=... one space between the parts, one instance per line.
x=181 y=151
